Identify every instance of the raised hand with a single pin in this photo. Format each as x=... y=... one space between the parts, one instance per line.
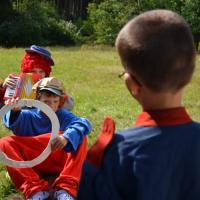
x=11 y=102
x=10 y=81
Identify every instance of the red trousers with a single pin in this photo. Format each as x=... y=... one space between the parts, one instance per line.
x=29 y=180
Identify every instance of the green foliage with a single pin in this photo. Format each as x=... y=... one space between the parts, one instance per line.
x=36 y=22
x=86 y=31
x=19 y=32
x=191 y=11
x=6 y=186
x=174 y=5
x=61 y=32
x=108 y=17
x=5 y=10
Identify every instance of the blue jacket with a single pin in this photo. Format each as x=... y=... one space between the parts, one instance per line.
x=32 y=122
x=159 y=159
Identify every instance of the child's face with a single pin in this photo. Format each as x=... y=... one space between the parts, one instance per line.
x=52 y=101
x=39 y=71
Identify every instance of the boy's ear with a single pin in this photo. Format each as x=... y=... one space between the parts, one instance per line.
x=63 y=99
x=133 y=85
x=135 y=89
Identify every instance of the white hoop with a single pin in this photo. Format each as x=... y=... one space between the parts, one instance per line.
x=55 y=129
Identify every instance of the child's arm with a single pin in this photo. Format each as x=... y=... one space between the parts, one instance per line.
x=74 y=129
x=75 y=133
x=12 y=118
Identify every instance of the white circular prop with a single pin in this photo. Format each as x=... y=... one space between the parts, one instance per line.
x=55 y=129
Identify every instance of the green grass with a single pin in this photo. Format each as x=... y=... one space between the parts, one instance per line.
x=91 y=78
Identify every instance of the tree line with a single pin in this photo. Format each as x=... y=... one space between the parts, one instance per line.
x=74 y=22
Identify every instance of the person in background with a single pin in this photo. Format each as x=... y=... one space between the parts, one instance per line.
x=36 y=60
x=158 y=158
x=31 y=129
x=2 y=91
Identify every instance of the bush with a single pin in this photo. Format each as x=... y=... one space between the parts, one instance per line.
x=108 y=17
x=20 y=32
x=5 y=10
x=86 y=32
x=37 y=22
x=61 y=32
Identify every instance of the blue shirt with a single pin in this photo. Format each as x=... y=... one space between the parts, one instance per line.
x=148 y=162
x=33 y=122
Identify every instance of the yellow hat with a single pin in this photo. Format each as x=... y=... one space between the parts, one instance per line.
x=51 y=84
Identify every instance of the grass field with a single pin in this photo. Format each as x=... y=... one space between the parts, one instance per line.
x=91 y=78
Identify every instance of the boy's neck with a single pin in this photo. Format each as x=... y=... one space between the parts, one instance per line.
x=164 y=100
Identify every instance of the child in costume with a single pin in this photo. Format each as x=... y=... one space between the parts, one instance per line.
x=158 y=159
x=31 y=128
x=2 y=91
x=36 y=60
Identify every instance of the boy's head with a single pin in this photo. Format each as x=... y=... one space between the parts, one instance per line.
x=37 y=60
x=157 y=50
x=50 y=91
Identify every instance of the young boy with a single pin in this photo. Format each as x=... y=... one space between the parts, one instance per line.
x=158 y=159
x=31 y=128
x=36 y=60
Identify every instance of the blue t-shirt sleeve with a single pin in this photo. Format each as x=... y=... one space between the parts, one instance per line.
x=75 y=133
x=13 y=121
x=21 y=122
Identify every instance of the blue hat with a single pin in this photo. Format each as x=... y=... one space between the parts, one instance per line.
x=41 y=51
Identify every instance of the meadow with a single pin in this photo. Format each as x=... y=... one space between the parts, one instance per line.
x=90 y=75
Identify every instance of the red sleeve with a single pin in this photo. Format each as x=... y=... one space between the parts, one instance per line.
x=96 y=152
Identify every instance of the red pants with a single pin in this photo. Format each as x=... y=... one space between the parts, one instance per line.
x=29 y=180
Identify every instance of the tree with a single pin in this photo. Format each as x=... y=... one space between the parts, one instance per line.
x=5 y=9
x=191 y=12
x=72 y=9
x=108 y=17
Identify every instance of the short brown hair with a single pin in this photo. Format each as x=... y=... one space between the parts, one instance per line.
x=157 y=46
x=49 y=94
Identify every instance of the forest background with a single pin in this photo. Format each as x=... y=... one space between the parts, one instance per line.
x=78 y=22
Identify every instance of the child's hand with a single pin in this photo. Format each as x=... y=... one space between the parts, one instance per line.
x=10 y=81
x=58 y=143
x=11 y=102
